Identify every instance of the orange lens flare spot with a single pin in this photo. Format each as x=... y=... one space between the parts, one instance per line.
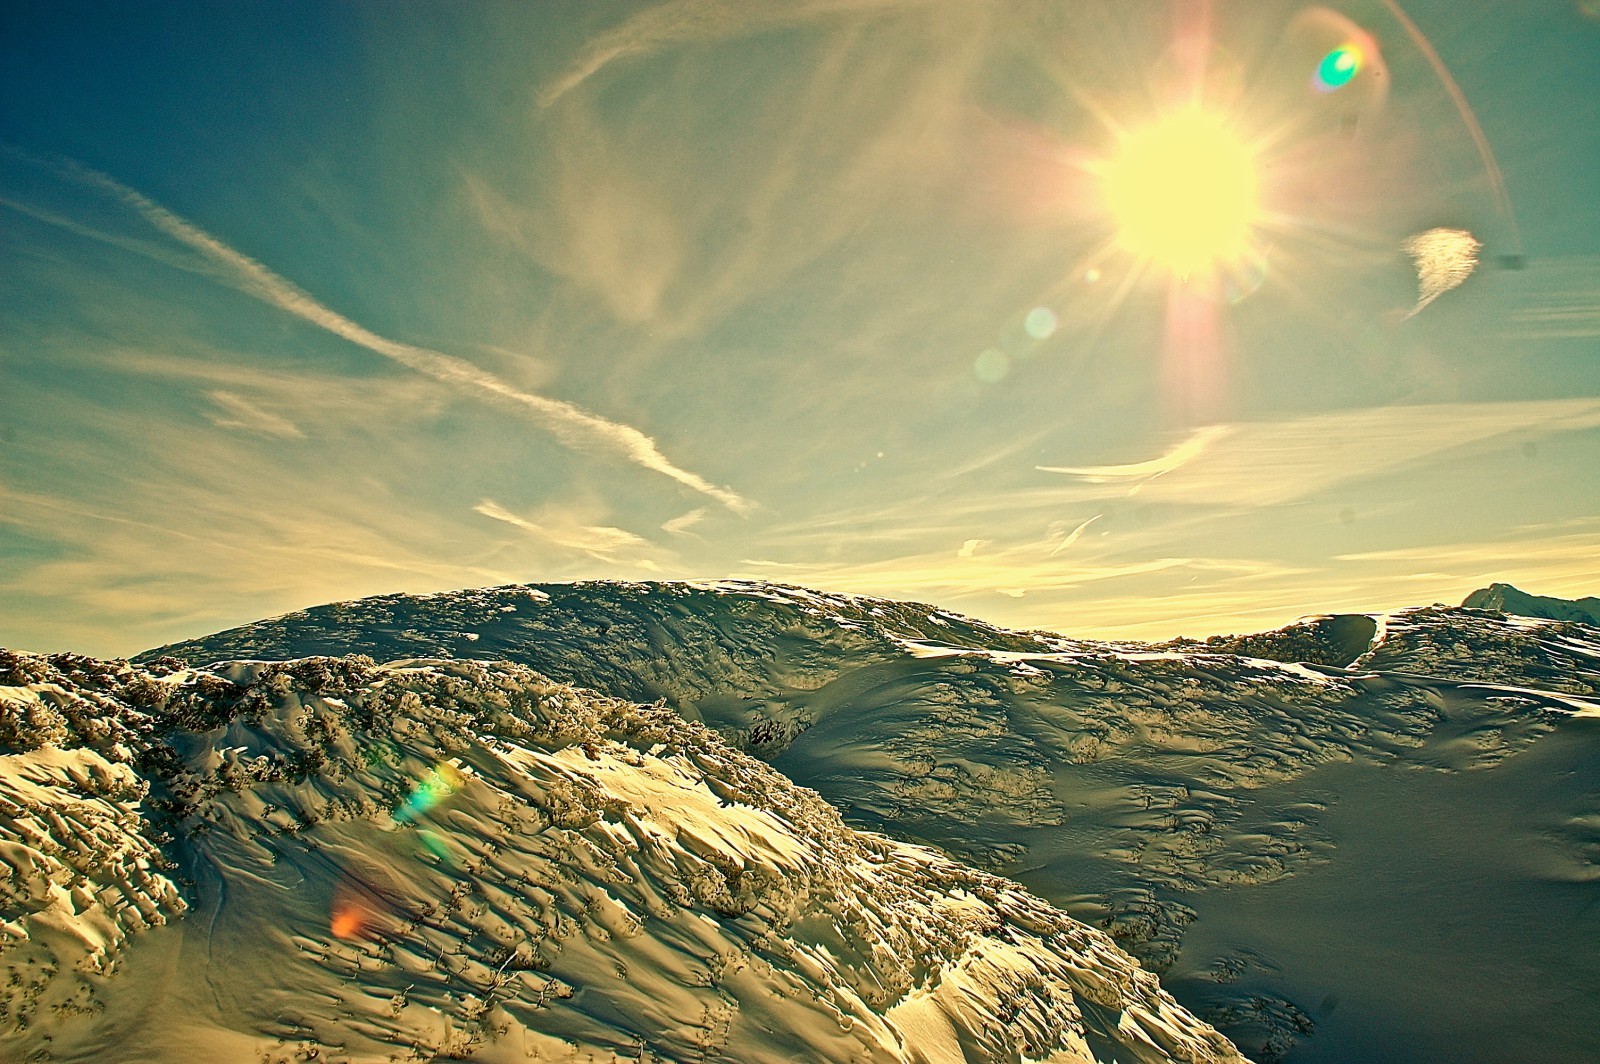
x=349 y=921
x=1183 y=192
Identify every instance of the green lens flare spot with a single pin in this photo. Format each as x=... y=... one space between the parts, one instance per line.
x=1337 y=68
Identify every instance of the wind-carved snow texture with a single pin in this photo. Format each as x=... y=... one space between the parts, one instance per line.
x=429 y=860
x=1120 y=781
x=963 y=734
x=81 y=871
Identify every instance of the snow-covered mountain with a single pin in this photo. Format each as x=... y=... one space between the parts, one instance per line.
x=1506 y=599
x=1331 y=839
x=328 y=859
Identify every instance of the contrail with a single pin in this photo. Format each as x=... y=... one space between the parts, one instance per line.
x=572 y=426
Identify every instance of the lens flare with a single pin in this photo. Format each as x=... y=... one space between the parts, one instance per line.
x=1246 y=277
x=1338 y=68
x=991 y=366
x=354 y=912
x=1041 y=323
x=441 y=782
x=1336 y=60
x=348 y=921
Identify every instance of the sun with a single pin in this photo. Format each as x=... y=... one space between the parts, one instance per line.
x=1183 y=192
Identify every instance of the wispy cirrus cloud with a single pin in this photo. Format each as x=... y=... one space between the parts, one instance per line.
x=1269 y=462
x=683 y=21
x=571 y=425
x=601 y=542
x=1168 y=565
x=236 y=412
x=1072 y=537
x=1566 y=555
x=934 y=576
x=1225 y=471
x=680 y=525
x=1177 y=458
x=1564 y=305
x=122 y=576
x=858 y=126
x=148 y=249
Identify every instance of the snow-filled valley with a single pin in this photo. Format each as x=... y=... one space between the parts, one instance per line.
x=899 y=835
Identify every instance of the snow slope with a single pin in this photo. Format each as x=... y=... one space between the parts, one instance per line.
x=327 y=859
x=1138 y=786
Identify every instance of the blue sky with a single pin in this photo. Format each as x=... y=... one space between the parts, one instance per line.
x=301 y=302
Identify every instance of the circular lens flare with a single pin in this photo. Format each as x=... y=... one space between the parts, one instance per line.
x=1338 y=67
x=1183 y=192
x=1040 y=323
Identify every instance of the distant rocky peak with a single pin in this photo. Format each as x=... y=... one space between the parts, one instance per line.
x=1508 y=599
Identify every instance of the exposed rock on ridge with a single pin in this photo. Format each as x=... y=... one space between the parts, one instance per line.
x=1507 y=599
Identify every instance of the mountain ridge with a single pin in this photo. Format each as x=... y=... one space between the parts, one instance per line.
x=1504 y=598
x=1137 y=786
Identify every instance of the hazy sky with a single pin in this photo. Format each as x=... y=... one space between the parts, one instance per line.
x=309 y=301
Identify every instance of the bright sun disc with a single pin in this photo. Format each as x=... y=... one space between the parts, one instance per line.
x=1183 y=192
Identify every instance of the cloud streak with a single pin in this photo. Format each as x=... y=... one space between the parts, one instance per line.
x=1171 y=565
x=697 y=20
x=237 y=412
x=934 y=577
x=1270 y=462
x=125 y=576
x=571 y=425
x=680 y=525
x=1179 y=456
x=1072 y=537
x=1564 y=304
x=601 y=542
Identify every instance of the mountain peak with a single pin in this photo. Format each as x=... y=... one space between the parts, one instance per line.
x=1508 y=599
